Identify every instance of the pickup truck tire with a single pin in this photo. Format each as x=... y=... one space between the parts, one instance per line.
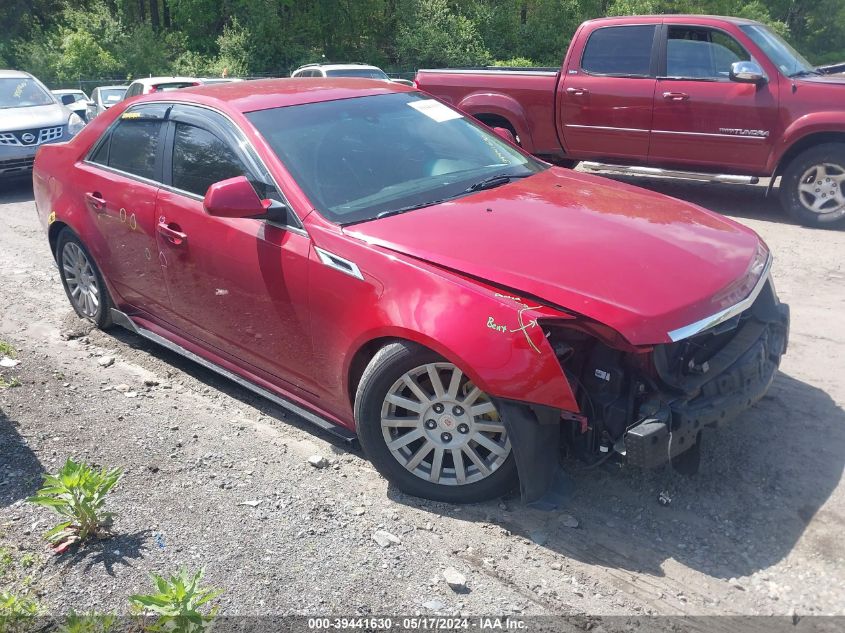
x=460 y=424
x=812 y=189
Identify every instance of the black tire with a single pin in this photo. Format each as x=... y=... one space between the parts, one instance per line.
x=386 y=367
x=66 y=243
x=830 y=157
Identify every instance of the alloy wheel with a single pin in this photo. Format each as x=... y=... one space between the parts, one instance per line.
x=820 y=189
x=82 y=284
x=443 y=428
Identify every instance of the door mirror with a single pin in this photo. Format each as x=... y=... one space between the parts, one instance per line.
x=505 y=133
x=748 y=73
x=236 y=198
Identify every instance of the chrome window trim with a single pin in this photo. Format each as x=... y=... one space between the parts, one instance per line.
x=340 y=264
x=606 y=127
x=723 y=315
x=746 y=136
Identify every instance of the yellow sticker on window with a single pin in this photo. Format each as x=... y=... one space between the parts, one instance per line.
x=130 y=115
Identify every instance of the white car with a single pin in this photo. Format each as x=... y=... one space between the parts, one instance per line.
x=30 y=116
x=103 y=98
x=363 y=71
x=75 y=101
x=149 y=85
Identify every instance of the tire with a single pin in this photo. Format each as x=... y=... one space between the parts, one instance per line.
x=82 y=280
x=812 y=188
x=456 y=435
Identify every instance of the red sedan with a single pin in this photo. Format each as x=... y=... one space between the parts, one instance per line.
x=388 y=267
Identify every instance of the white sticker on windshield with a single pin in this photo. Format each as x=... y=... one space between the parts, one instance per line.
x=435 y=110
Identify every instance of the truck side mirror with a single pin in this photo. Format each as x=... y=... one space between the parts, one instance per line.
x=748 y=73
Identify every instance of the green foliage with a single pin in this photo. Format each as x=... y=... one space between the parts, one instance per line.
x=6 y=349
x=78 y=493
x=6 y=561
x=16 y=612
x=176 y=603
x=87 y=623
x=62 y=41
x=515 y=62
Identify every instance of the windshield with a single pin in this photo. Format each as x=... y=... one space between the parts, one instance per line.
x=20 y=92
x=790 y=61
x=366 y=73
x=110 y=96
x=175 y=85
x=357 y=159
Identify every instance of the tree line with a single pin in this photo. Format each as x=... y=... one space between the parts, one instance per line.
x=62 y=41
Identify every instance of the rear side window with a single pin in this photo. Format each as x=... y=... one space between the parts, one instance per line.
x=134 y=147
x=619 y=50
x=200 y=159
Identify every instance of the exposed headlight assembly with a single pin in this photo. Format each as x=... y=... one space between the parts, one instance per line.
x=74 y=124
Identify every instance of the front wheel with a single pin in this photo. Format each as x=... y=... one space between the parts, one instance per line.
x=82 y=280
x=429 y=430
x=812 y=186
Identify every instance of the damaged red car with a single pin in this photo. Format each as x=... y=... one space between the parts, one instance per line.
x=391 y=269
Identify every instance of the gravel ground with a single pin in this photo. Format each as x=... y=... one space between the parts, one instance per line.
x=216 y=477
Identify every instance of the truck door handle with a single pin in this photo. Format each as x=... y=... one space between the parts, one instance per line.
x=675 y=96
x=171 y=232
x=577 y=91
x=95 y=200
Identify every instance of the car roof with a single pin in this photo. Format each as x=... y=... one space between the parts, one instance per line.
x=338 y=66
x=262 y=94
x=671 y=18
x=10 y=74
x=149 y=81
x=124 y=87
x=67 y=91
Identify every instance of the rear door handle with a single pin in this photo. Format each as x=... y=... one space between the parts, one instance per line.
x=95 y=201
x=577 y=91
x=171 y=232
x=675 y=96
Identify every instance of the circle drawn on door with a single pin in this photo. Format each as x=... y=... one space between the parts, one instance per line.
x=122 y=214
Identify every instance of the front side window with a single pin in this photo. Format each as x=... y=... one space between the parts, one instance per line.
x=619 y=51
x=358 y=159
x=21 y=92
x=200 y=159
x=700 y=53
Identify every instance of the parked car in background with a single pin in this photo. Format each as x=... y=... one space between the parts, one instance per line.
x=208 y=81
x=103 y=98
x=462 y=306
x=725 y=99
x=149 y=85
x=362 y=71
x=30 y=117
x=75 y=101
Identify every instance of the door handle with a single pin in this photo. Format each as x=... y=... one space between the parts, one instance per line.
x=171 y=232
x=95 y=200
x=675 y=96
x=577 y=91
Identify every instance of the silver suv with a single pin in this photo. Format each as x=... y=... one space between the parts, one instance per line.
x=30 y=115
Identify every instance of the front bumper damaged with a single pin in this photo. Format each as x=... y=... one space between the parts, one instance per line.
x=721 y=379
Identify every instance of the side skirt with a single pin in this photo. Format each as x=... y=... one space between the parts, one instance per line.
x=125 y=321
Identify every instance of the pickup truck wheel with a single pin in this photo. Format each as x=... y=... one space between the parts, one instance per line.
x=82 y=280
x=429 y=430
x=812 y=186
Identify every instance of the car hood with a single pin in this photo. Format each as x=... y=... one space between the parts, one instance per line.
x=30 y=117
x=830 y=80
x=642 y=263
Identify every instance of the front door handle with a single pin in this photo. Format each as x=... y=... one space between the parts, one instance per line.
x=95 y=201
x=675 y=96
x=172 y=232
x=577 y=91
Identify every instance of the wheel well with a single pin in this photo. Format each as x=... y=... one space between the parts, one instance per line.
x=53 y=235
x=805 y=143
x=495 y=120
x=360 y=361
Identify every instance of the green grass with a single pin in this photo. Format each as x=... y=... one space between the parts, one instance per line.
x=9 y=383
x=6 y=349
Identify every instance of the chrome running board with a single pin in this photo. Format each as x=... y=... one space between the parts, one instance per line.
x=637 y=170
x=123 y=320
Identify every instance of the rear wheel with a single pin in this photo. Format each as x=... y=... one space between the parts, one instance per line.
x=429 y=430
x=82 y=280
x=812 y=186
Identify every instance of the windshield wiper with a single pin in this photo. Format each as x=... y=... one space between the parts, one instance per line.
x=804 y=73
x=495 y=181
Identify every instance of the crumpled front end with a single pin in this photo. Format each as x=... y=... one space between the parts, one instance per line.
x=651 y=405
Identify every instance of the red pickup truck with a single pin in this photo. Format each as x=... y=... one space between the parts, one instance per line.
x=719 y=98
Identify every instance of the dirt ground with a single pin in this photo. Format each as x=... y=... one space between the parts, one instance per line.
x=216 y=477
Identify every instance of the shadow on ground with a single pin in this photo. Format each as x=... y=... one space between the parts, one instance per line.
x=763 y=478
x=119 y=549
x=17 y=189
x=20 y=471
